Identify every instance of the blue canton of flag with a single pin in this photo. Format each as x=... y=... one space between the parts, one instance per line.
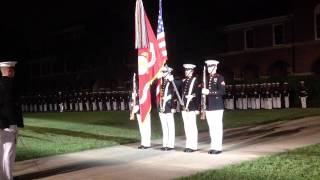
x=160 y=33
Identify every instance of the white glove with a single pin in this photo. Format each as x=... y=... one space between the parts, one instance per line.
x=189 y=96
x=197 y=112
x=166 y=98
x=173 y=110
x=12 y=128
x=160 y=75
x=131 y=104
x=205 y=91
x=134 y=95
x=136 y=108
x=170 y=78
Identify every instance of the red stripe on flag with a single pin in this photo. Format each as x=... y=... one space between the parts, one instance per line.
x=162 y=45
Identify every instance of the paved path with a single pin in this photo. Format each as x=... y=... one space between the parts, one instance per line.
x=127 y=162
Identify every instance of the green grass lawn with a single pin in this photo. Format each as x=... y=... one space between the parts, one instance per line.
x=48 y=134
x=301 y=164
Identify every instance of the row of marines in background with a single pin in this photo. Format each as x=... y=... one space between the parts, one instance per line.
x=262 y=96
x=77 y=101
x=239 y=96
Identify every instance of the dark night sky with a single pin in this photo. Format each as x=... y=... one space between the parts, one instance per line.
x=188 y=24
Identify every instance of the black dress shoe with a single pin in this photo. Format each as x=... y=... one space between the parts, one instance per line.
x=163 y=148
x=143 y=147
x=186 y=150
x=190 y=150
x=217 y=152
x=169 y=149
x=214 y=152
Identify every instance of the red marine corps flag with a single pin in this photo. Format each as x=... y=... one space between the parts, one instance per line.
x=150 y=59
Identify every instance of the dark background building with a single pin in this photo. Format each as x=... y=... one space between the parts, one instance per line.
x=73 y=44
x=276 y=45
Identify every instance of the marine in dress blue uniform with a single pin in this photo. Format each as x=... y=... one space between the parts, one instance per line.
x=10 y=119
x=190 y=97
x=214 y=106
x=166 y=109
x=268 y=96
x=303 y=94
x=285 y=94
x=144 y=127
x=256 y=94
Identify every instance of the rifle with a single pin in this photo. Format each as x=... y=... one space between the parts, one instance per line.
x=164 y=101
x=176 y=91
x=186 y=107
x=134 y=92
x=203 y=98
x=161 y=95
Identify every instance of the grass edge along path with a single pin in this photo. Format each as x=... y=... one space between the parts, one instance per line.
x=48 y=134
x=301 y=163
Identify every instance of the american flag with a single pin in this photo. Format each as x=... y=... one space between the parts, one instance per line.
x=162 y=45
x=160 y=33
